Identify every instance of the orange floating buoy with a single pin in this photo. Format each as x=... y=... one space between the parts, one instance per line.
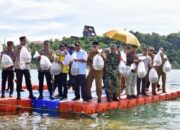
x=178 y=93
x=140 y=101
x=112 y=105
x=168 y=96
x=78 y=107
x=45 y=87
x=24 y=87
x=123 y=104
x=162 y=97
x=24 y=103
x=90 y=108
x=8 y=104
x=66 y=106
x=148 y=100
x=35 y=87
x=174 y=95
x=132 y=102
x=101 y=107
x=155 y=98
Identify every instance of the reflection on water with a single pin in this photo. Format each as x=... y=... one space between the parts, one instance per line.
x=158 y=116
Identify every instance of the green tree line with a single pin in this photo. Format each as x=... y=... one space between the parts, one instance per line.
x=170 y=43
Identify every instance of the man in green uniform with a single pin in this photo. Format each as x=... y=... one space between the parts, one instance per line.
x=112 y=63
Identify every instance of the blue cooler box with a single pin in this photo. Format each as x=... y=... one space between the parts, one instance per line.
x=39 y=103
x=46 y=104
x=52 y=104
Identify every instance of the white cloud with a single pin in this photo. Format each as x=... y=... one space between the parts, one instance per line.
x=35 y=9
x=6 y=26
x=38 y=31
x=35 y=18
x=142 y=15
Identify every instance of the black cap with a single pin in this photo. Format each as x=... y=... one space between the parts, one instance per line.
x=127 y=47
x=77 y=43
x=133 y=46
x=10 y=43
x=95 y=43
x=61 y=45
x=46 y=41
x=22 y=38
x=65 y=44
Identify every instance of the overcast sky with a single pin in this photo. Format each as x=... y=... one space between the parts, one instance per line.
x=45 y=19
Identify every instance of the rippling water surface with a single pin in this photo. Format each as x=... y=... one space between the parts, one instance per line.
x=158 y=116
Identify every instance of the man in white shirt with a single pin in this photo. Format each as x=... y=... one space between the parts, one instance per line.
x=20 y=72
x=80 y=79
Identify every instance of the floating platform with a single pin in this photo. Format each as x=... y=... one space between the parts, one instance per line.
x=35 y=87
x=87 y=108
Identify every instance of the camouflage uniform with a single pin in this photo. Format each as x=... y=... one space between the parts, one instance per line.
x=112 y=73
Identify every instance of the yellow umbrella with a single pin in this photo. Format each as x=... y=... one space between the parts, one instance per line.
x=123 y=36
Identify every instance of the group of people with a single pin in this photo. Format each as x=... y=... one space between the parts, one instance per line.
x=109 y=77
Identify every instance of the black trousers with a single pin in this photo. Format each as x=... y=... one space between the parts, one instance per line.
x=71 y=81
x=144 y=84
x=48 y=76
x=19 y=76
x=147 y=84
x=80 y=83
x=7 y=75
x=61 y=81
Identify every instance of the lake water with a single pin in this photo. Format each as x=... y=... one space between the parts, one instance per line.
x=158 y=116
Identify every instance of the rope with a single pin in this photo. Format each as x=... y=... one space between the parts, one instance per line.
x=32 y=108
x=19 y=106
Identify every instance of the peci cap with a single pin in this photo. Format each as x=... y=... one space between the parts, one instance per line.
x=9 y=43
x=133 y=46
x=65 y=44
x=95 y=43
x=22 y=38
x=46 y=42
x=127 y=47
x=77 y=43
x=61 y=45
